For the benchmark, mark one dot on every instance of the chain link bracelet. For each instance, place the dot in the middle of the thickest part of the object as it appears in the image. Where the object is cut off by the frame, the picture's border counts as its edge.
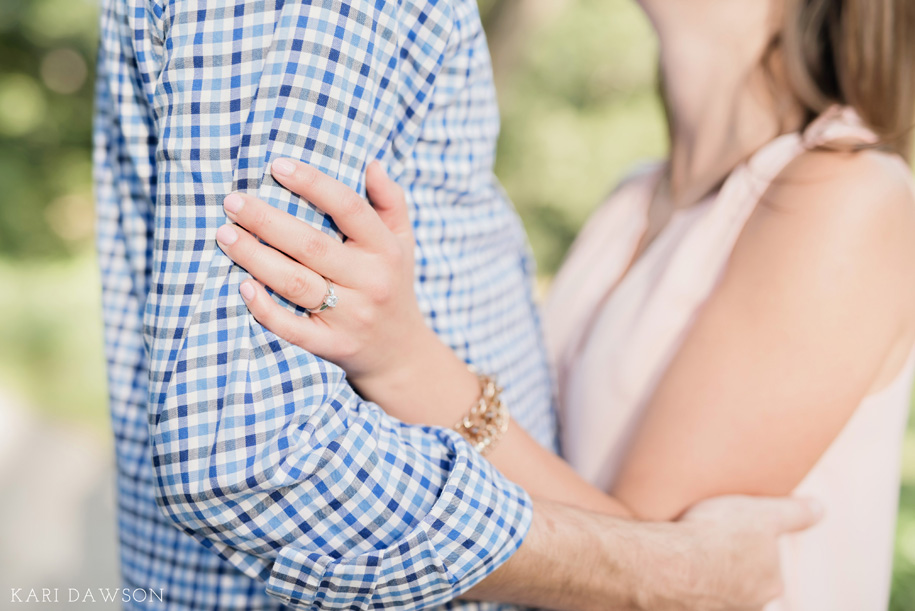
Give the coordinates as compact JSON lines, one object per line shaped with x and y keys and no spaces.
{"x":487,"y":421}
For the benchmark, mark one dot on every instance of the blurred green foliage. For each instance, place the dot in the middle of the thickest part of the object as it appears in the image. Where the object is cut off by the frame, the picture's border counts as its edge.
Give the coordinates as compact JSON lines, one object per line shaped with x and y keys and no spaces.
{"x":46,"y":53}
{"x":51,"y":355}
{"x":577,"y":91}
{"x":578,"y":109}
{"x":904,"y":562}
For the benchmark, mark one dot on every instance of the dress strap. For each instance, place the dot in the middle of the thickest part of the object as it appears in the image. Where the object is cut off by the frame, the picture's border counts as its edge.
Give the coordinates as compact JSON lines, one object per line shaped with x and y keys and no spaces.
{"x":691,"y":278}
{"x":838,"y":124}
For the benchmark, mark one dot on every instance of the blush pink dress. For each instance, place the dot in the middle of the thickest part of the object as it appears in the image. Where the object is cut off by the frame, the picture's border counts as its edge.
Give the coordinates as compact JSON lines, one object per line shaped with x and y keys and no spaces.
{"x":612,"y":333}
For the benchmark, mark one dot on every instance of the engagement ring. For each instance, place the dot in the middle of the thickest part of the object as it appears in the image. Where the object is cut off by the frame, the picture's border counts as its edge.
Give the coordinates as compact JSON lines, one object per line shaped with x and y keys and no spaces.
{"x":330,"y":299}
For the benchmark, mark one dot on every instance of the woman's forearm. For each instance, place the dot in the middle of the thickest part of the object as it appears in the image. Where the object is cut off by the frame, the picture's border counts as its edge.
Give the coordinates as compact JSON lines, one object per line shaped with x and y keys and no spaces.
{"x":438,"y":389}
{"x":546,"y":476}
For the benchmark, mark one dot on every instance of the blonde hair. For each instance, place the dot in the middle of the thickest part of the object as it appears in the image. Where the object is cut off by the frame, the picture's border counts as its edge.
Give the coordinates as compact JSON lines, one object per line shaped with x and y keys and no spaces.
{"x":859,"y":53}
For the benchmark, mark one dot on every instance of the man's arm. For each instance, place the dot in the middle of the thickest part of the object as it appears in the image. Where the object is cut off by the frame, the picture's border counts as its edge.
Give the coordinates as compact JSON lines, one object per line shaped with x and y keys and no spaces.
{"x":261,"y":450}
{"x":722,"y":555}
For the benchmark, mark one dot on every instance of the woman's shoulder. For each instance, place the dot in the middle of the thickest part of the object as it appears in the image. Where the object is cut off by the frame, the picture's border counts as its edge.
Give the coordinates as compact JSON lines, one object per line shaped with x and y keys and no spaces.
{"x":867,"y":188}
{"x":852,"y":213}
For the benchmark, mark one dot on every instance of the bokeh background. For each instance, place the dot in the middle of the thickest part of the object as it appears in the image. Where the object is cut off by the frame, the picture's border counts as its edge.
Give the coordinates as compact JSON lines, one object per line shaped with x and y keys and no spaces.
{"x":576,"y":86}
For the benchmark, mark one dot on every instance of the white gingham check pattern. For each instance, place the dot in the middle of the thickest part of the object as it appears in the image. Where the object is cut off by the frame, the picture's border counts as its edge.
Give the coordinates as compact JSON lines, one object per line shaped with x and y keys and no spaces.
{"x":286,"y":481}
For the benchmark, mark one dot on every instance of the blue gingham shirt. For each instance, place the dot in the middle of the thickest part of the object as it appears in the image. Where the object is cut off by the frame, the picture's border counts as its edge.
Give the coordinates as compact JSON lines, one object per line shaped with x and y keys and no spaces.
{"x":276,"y":484}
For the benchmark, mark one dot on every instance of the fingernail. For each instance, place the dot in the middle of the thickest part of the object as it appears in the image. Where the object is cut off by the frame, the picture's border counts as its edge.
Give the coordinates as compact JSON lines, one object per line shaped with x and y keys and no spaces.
{"x":283,"y":167}
{"x":380,"y":167}
{"x":233,"y":203}
{"x":247,"y":291}
{"x":226,"y":235}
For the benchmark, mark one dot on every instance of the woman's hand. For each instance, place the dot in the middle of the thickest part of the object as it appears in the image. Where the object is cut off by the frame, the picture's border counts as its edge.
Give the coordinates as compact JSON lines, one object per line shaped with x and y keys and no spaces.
{"x":376,"y":329}
{"x":376,"y":332}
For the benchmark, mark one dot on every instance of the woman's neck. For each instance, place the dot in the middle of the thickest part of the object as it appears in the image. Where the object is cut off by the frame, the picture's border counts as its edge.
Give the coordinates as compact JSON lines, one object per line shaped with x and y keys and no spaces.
{"x":720,"y":101}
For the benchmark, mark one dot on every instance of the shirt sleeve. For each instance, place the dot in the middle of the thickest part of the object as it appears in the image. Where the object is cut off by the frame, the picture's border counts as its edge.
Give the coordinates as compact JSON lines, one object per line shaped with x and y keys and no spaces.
{"x":261,"y":450}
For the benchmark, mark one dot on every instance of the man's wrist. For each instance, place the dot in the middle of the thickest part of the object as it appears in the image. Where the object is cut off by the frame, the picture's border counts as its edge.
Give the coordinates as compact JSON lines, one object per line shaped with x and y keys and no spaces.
{"x":578,"y":561}
{"x":573,"y":560}
{"x":661,"y":561}
{"x":650,"y":560}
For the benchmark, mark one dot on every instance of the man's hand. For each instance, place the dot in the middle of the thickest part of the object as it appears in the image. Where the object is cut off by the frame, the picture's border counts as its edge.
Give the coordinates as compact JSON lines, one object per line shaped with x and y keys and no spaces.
{"x":725,"y":554}
{"x":721,"y":556}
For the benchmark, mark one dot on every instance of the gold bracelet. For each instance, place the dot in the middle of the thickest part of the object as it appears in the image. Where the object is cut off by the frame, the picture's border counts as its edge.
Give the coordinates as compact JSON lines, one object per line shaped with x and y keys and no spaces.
{"x":487,"y":421}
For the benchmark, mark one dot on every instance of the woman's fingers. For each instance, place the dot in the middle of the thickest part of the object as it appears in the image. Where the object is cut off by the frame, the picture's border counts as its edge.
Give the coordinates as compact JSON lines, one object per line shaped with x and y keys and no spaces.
{"x":308,"y":333}
{"x":292,"y":280}
{"x":388,"y":199}
{"x":352,"y":213}
{"x":314,"y":248}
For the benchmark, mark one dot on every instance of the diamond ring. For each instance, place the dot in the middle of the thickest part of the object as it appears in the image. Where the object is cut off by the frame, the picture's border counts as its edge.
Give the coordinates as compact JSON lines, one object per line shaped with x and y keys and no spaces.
{"x":330,"y":299}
